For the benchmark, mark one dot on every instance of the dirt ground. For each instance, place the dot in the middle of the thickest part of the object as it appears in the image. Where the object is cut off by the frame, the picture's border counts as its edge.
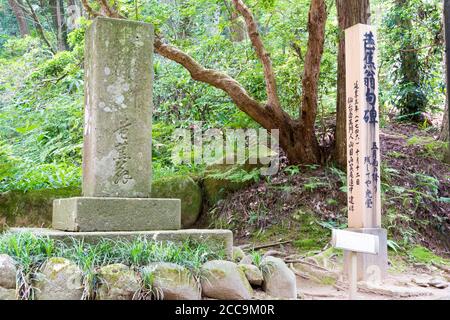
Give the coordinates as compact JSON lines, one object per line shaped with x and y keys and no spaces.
{"x":320,"y":277}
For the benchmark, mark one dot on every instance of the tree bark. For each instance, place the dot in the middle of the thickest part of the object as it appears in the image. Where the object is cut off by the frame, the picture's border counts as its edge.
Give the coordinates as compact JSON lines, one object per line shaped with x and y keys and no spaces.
{"x":20,"y":17}
{"x":62,"y":27}
{"x":444,"y":134}
{"x":350,"y":12}
{"x":307,"y":145}
{"x":445,"y":131}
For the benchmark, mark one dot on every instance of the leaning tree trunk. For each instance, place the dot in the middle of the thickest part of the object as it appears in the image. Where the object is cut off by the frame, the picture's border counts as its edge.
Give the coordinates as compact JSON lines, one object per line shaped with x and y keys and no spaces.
{"x":350,"y":12}
{"x":20,"y":17}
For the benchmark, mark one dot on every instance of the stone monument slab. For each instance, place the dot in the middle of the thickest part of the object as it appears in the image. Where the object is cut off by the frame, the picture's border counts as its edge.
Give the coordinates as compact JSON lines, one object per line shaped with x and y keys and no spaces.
{"x":117,"y":148}
{"x":116,"y":214}
{"x":118,"y":109}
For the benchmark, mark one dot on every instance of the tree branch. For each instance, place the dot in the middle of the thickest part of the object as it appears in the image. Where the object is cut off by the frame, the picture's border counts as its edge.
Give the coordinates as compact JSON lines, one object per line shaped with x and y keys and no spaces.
{"x":110,"y":12}
{"x":263,"y":56}
{"x":39,"y":27}
{"x":270,"y":116}
{"x":219,"y":80}
{"x":89,"y":9}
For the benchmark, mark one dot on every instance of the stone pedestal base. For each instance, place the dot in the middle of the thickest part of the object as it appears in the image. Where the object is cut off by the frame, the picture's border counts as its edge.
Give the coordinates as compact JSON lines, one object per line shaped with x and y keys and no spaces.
{"x":116,"y":214}
{"x":370,"y":267}
{"x":216,"y":239}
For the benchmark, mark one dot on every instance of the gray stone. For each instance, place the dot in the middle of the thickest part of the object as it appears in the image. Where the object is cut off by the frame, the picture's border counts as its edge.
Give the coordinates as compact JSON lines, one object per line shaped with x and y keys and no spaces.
{"x":117,"y":282}
{"x":420,"y":282}
{"x":59,"y":279}
{"x":217,"y":240}
{"x":7,"y":294}
{"x":238,"y":254}
{"x":438,"y":283}
{"x":8,"y":272}
{"x":247,"y":259}
{"x":174,"y":281}
{"x":253,"y":274}
{"x":224,"y":280}
{"x":116,"y":214}
{"x":185,"y":189}
{"x":279,"y":280}
{"x":118,"y":109}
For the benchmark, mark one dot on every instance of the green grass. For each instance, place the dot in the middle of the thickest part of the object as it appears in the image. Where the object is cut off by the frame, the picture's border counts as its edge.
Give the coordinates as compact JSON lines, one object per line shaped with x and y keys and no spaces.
{"x":32,"y":251}
{"x":424,"y":255}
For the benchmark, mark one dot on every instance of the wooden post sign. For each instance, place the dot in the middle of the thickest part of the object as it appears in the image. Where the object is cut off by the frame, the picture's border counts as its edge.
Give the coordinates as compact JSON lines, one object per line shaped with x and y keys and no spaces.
{"x":363,"y":145}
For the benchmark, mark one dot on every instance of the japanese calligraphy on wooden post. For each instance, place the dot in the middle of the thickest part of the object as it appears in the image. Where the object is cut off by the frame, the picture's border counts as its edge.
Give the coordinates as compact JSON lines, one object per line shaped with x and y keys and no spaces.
{"x":363,"y":151}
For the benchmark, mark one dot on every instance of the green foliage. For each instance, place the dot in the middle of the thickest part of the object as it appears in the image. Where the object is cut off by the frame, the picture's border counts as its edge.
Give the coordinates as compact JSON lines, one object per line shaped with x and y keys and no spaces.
{"x":428,"y":146}
{"x":411,"y":56}
{"x":236,"y":174}
{"x":424,"y":255}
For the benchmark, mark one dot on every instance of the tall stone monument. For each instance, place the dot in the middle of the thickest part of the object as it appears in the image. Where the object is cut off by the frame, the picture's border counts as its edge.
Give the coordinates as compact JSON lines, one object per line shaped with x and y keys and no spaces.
{"x":117,"y":151}
{"x":117,"y":136}
{"x":363,"y":147}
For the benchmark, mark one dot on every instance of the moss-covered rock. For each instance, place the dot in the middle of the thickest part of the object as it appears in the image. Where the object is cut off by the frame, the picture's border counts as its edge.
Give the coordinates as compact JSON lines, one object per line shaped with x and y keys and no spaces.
{"x":8,"y":272}
{"x":7,"y":294}
{"x":238,"y":254}
{"x":117,"y":282}
{"x":185,"y":189}
{"x":59,"y":279}
{"x":32,"y":208}
{"x":174,"y":281}
{"x":279,"y":280}
{"x":224,"y":280}
{"x":253,"y":274}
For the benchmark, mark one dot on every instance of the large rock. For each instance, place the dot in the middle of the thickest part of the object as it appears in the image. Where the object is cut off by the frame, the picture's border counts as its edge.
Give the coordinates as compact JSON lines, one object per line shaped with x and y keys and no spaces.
{"x":59,"y":279}
{"x":174,"y":281}
{"x":117,"y":282}
{"x":224,"y":280}
{"x":7,"y":294}
{"x":279,"y":280}
{"x":185,"y":189}
{"x":8,"y":272}
{"x":253,"y":274}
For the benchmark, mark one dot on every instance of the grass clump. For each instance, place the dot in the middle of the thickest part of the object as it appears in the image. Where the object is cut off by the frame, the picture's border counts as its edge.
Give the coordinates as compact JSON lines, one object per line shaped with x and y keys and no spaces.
{"x":424,"y":255}
{"x":31,"y":251}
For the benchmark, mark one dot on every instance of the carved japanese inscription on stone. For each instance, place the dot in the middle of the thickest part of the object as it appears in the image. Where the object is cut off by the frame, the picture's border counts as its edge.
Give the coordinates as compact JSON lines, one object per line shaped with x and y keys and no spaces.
{"x":118,"y":109}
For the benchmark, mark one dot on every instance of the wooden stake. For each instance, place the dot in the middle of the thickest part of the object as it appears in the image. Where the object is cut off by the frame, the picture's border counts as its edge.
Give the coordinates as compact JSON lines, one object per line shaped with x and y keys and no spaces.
{"x":352,"y":276}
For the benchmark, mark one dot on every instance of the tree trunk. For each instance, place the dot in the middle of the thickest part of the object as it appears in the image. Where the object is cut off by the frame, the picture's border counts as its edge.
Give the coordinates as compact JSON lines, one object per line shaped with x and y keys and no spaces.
{"x":57,"y":10}
{"x":444,"y":135}
{"x":20,"y":17}
{"x":306,"y":141}
{"x":62,"y":26}
{"x":350,"y":12}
